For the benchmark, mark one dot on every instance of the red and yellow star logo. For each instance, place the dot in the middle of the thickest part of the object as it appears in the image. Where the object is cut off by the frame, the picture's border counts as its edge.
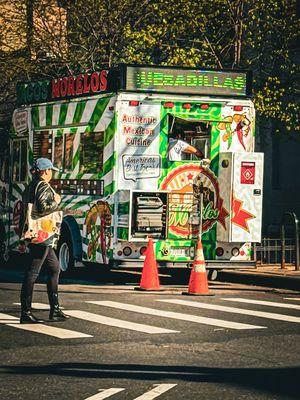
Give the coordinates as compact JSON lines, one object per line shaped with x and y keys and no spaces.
{"x":240,"y":216}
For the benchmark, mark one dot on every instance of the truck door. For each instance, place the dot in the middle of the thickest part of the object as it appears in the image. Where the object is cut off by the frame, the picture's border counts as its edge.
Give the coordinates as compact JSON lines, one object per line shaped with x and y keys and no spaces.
{"x":18,"y":177}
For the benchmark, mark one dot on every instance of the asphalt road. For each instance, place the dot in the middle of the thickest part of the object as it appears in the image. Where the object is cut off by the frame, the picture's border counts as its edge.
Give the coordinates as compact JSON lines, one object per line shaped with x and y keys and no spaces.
{"x":121,"y":344}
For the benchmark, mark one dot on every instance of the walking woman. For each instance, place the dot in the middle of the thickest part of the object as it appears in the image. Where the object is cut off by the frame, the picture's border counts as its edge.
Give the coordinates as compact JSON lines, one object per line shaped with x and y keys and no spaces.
{"x":45,"y":202}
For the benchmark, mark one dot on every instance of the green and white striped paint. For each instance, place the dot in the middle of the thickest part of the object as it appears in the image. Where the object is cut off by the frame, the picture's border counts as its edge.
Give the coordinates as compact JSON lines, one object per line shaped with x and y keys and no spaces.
{"x":78,"y":117}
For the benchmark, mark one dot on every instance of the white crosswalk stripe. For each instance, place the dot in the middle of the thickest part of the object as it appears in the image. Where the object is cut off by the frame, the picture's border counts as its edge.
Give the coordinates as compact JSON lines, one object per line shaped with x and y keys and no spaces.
{"x":234,"y":310}
{"x":59,"y":333}
{"x":292,"y":298}
{"x":157,"y":391}
{"x":6,"y":318}
{"x":101,"y":319}
{"x":263,"y":303}
{"x":104,"y":394}
{"x":176,"y":315}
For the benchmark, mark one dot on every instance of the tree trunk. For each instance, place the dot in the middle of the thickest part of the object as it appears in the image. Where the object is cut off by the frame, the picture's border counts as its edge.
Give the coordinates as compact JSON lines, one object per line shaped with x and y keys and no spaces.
{"x":29,"y":20}
{"x":238,"y":33}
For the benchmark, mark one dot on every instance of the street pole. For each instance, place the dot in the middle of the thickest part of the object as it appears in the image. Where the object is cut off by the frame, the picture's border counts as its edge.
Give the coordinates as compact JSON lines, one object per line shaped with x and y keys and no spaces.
{"x":200,"y":211}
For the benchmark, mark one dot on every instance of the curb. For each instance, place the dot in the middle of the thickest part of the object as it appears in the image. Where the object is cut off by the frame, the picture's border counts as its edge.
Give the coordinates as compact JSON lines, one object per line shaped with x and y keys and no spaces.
{"x":268,"y":280}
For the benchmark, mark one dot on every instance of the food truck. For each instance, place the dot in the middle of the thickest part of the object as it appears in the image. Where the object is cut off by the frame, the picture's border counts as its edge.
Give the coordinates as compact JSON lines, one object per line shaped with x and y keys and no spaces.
{"x":109,"y":133}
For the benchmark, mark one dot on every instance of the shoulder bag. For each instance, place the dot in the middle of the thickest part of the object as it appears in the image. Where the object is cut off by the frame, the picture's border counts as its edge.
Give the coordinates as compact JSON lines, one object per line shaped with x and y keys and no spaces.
{"x":43,"y":230}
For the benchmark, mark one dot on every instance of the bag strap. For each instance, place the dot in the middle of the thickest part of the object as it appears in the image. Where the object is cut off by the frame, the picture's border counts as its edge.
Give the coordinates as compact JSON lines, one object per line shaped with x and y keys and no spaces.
{"x":36,"y":188}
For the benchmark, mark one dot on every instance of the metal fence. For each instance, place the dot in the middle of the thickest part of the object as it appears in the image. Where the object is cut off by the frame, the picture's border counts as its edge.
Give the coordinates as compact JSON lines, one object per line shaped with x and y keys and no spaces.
{"x":269,"y":251}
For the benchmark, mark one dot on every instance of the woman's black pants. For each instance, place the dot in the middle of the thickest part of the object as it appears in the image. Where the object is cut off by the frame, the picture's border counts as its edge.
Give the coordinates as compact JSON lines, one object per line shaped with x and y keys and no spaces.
{"x":39,"y":255}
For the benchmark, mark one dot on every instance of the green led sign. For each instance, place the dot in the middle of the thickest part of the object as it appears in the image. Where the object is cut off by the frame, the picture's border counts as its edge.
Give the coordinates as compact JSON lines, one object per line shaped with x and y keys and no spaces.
{"x":186,"y":81}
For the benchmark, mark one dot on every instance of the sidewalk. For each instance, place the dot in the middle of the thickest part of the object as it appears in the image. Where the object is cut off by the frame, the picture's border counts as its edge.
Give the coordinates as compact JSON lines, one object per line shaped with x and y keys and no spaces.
{"x":265,"y":275}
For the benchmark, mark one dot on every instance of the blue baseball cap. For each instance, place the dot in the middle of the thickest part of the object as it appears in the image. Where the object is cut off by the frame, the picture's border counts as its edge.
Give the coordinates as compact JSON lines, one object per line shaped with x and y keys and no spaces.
{"x":45,"y":163}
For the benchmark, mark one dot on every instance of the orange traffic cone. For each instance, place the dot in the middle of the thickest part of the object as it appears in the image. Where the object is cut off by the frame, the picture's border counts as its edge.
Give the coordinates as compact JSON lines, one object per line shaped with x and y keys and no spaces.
{"x":149,"y":280}
{"x":198,"y":284}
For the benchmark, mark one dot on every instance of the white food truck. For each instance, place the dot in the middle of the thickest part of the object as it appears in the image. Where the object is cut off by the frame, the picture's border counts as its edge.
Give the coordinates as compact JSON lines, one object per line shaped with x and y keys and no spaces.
{"x":109,"y":132}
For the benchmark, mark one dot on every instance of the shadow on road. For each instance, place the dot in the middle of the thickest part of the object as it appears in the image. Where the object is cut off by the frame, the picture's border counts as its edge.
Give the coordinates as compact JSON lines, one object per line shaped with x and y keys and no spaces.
{"x":283,"y":381}
{"x":93,"y":274}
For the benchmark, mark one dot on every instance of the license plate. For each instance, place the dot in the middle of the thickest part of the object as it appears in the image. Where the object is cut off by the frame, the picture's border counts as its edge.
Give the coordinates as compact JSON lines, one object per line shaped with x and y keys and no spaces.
{"x":180,"y":252}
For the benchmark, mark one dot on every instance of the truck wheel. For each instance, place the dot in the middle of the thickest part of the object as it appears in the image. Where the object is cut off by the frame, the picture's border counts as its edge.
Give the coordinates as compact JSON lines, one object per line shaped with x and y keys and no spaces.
{"x":65,"y":253}
{"x":212,"y":274}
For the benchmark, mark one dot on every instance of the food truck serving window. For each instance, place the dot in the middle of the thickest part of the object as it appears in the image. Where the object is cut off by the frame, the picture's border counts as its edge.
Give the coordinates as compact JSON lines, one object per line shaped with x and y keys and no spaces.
{"x":185,"y":136}
{"x":91,"y":152}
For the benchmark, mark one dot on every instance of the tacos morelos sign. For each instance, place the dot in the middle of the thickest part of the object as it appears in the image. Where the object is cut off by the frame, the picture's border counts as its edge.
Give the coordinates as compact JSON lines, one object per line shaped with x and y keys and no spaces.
{"x":139,"y":78}
{"x":63,"y":88}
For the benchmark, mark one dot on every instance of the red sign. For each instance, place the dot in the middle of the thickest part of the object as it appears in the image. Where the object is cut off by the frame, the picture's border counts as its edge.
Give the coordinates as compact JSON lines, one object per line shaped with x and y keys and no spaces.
{"x":81,"y":84}
{"x":248,"y":173}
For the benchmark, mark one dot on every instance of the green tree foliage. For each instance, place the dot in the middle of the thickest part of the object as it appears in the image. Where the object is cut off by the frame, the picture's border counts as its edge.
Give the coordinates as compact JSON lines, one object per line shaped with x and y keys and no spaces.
{"x":273,"y":55}
{"x":48,"y":38}
{"x":252,"y":34}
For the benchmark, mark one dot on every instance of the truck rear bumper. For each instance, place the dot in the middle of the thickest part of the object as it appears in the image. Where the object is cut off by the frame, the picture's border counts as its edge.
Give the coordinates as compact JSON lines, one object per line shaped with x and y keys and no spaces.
{"x":210,"y":264}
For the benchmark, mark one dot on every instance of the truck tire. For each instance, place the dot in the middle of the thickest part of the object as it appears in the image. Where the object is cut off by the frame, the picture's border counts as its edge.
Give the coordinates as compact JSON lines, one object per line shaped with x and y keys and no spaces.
{"x":65,"y":252}
{"x":212,"y":274}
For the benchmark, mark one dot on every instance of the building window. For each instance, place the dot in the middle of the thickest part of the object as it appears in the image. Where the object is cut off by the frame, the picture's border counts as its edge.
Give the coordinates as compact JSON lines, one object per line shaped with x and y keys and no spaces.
{"x":285,"y":161}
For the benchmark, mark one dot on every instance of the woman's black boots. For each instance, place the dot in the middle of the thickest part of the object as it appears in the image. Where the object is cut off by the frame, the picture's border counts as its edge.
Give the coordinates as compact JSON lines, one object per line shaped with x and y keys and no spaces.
{"x":26,"y":315}
{"x":56,"y":313}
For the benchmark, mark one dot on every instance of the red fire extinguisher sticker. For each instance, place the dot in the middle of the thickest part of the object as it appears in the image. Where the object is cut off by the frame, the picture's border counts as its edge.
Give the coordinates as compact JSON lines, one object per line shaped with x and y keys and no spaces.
{"x":248,"y":172}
